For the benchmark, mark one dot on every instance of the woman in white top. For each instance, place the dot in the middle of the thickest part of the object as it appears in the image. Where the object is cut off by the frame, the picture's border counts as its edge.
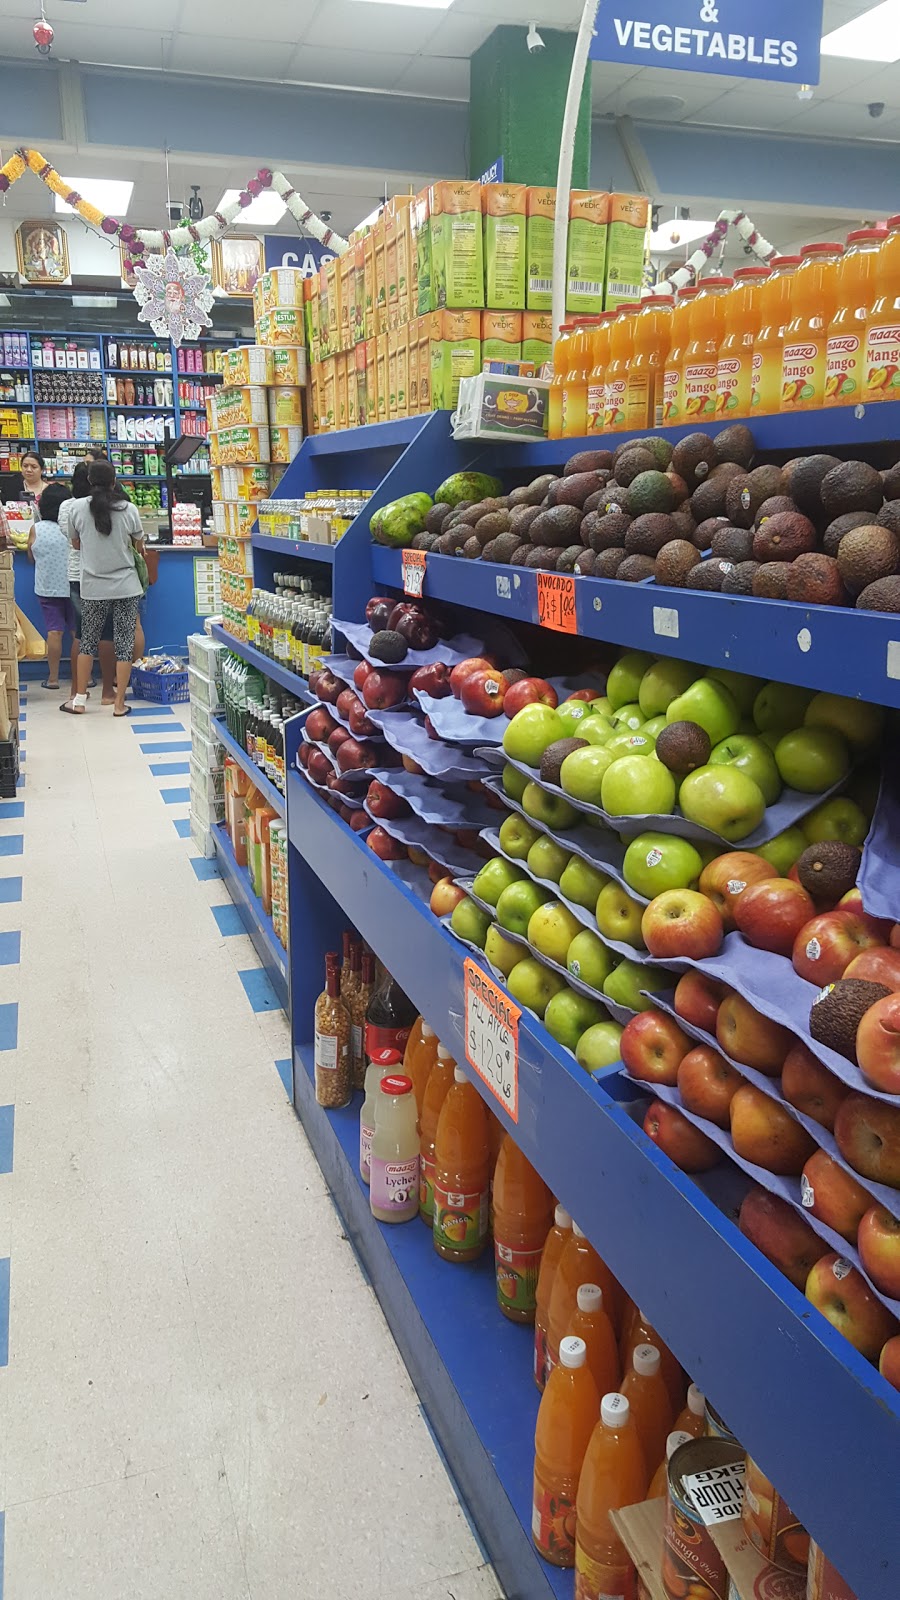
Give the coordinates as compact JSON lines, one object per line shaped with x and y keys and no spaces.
{"x":81,"y":488}
{"x":107,"y":529}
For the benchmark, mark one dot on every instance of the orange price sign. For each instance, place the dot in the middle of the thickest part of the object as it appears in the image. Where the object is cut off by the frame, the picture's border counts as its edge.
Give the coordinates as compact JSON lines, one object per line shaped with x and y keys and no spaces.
{"x":556,"y":601}
{"x":492,"y":1037}
{"x":414,"y":573}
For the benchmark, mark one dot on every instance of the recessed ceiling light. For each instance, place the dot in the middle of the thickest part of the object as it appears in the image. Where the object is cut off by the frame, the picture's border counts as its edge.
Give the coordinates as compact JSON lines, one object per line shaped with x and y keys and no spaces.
{"x":112,"y":196}
{"x":422,"y":5}
{"x":661,"y":239}
{"x":263,"y":212}
{"x":875,"y":36}
{"x":656,"y":107}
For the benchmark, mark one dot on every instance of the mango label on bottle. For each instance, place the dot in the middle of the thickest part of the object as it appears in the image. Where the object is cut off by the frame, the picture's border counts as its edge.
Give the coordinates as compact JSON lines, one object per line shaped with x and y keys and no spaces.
{"x":460,"y":1220}
{"x":803,"y":374}
{"x":517,"y":1275}
{"x":426,"y":1191}
{"x":882,"y":362}
{"x":734,"y":386}
{"x":700,"y":390}
{"x":844,"y":372}
{"x":671,"y":401}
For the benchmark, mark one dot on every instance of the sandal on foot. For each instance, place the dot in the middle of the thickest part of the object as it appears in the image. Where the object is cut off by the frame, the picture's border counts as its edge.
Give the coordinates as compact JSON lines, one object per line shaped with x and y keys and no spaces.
{"x":73,"y":711}
{"x":48,"y":685}
{"x":125,"y":713}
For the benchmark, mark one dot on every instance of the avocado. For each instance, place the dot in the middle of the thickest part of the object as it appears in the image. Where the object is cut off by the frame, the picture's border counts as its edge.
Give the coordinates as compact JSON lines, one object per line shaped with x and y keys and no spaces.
{"x":467,"y":486}
{"x":650,"y":491}
{"x":851,"y":486}
{"x":634,"y":569}
{"x":803,"y":482}
{"x":867,"y":554}
{"x":702,"y":536}
{"x":888,"y":516}
{"x":615,"y":497}
{"x":592,"y":502}
{"x":783,"y":537}
{"x":835,"y":531}
{"x":521,"y":517}
{"x":891,"y":481}
{"x":732,"y":544}
{"x":837,"y":1013}
{"x":425,"y":541}
{"x":388,"y":646}
{"x":694,"y":458}
{"x":646,"y":535}
{"x":684,"y":524}
{"x":488,"y":527}
{"x":708,"y":499}
{"x":502,"y":548}
{"x":588,"y":461}
{"x":745,"y":496}
{"x":709,"y":574}
{"x":435,"y":517}
{"x":772,"y":507}
{"x":674,"y":562}
{"x":604,"y":532}
{"x":883,"y":595}
{"x":740,"y":579}
{"x":659,"y":448}
{"x":607,"y":562}
{"x":829,"y":870}
{"x":574,"y":489}
{"x":567,"y":558}
{"x":679,"y":487}
{"x":472,"y":549}
{"x":542,"y":557}
{"x":554,"y":756}
{"x":481,"y":508}
{"x":632,"y":462}
{"x":770,"y":580}
{"x":447,"y":544}
{"x":736,"y":444}
{"x":682,"y":747}
{"x":531,"y":494}
{"x":584,"y":566}
{"x":557,"y":526}
{"x":815,"y":580}
{"x":519,"y":558}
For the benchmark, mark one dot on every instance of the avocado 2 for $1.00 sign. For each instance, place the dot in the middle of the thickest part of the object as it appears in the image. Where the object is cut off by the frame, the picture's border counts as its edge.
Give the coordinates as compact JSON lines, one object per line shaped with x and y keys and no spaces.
{"x":740,"y":39}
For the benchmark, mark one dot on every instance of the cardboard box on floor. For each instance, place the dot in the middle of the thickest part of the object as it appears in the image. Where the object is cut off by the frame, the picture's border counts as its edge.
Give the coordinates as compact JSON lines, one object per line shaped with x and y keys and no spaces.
{"x":641,"y":1530}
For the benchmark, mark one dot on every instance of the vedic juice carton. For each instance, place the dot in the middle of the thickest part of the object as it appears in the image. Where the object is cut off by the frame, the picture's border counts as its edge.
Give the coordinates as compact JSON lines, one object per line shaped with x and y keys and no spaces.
{"x":629,"y":218}
{"x":341,"y":400}
{"x":324,"y":314}
{"x":413,"y":334}
{"x":403,"y":372}
{"x":427,"y":335}
{"x":400,"y":208}
{"x":501,"y":335}
{"x":455,"y":354}
{"x":328,"y":394}
{"x":503,"y":207}
{"x":457,"y":244}
{"x":381,"y":368}
{"x":371,"y":381}
{"x":359,"y":359}
{"x":390,"y":265}
{"x":420,"y":216}
{"x":412,"y":269}
{"x":380,"y":278}
{"x":537,"y":338}
{"x":370,"y":291}
{"x":392,"y":372}
{"x":540,"y":208}
{"x":586,"y":251}
{"x":347,"y":280}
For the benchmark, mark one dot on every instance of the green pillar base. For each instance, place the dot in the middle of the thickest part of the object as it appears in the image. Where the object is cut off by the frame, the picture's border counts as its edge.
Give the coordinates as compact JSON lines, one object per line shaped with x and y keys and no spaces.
{"x":516,"y":105}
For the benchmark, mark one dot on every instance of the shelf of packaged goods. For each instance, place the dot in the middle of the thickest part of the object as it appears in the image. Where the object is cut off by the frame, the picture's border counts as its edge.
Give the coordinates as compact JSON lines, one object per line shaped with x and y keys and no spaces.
{"x":139,"y":372}
{"x":48,"y":438}
{"x":302,"y":548}
{"x":16,"y":405}
{"x":788,"y":1384}
{"x":820,"y":647}
{"x":69,"y":405}
{"x":163,"y":411}
{"x":273,"y":795}
{"x":264,"y":664}
{"x":374,"y":436}
{"x":184,"y":406}
{"x":250,"y":910}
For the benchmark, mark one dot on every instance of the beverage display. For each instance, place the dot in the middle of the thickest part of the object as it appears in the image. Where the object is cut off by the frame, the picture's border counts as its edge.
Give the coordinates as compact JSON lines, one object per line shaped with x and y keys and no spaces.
{"x":621,"y":347}
{"x":681,"y":332}
{"x":462,"y":1173}
{"x":420,"y":1058}
{"x":291,"y":625}
{"x":845,"y":375}
{"x":562,"y":359}
{"x":578,"y":1264}
{"x":553,"y":1249}
{"x":701,"y":357}
{"x":883,"y":322}
{"x":522,"y":1216}
{"x":332,"y":1040}
{"x":614,"y":1474}
{"x":596,"y":393}
{"x":394,"y":1154}
{"x":814,"y":289}
{"x":568,"y":1413}
{"x":438,"y":1087}
{"x":774,"y":309}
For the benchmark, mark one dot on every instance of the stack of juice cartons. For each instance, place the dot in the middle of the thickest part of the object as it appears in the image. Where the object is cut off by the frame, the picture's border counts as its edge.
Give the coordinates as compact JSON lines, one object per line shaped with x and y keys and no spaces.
{"x":278,"y":866}
{"x":207,"y":752}
{"x":9,"y":681}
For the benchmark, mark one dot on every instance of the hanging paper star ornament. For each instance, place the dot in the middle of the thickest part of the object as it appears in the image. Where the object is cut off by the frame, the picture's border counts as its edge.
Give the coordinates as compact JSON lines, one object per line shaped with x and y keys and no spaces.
{"x":173,"y":296}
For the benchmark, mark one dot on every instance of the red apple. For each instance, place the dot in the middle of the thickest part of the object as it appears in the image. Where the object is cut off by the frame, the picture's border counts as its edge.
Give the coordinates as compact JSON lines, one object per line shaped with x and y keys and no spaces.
{"x":336,"y":739}
{"x":527,"y":692}
{"x":889,"y":1362}
{"x":463,"y":668}
{"x":411,"y":766}
{"x":361,"y":726}
{"x":682,"y":922}
{"x":784,"y":1238}
{"x":304,"y":751}
{"x":725,"y":878}
{"x":433,"y":679}
{"x":382,"y":802}
{"x":360,"y":672}
{"x":319,"y":767}
{"x":320,"y":725}
{"x":684,"y":1144}
{"x":385,"y":847}
{"x":750,"y":1038}
{"x":707,"y":1083}
{"x":347,"y":813}
{"x":345,"y":702}
{"x":879,"y":965}
{"x":764,"y":1132}
{"x":378,"y":611}
{"x":770,"y":914}
{"x":697,"y":999}
{"x":342,"y":786}
{"x":359,"y":822}
{"x":825,"y":947}
{"x":867,"y":1132}
{"x":878,"y":1243}
{"x":418,"y":856}
{"x":652,"y":1044}
{"x":829,"y":1193}
{"x":354,"y":754}
{"x":852,"y":901}
{"x":809,"y":1087}
{"x":382,"y":690}
{"x":328,"y":687}
{"x":878,"y":1044}
{"x":895,"y":936}
{"x":335,"y":802}
{"x":444,"y":896}
{"x":842,"y":1295}
{"x":483,"y":693}
{"x":584,"y":694}
{"x":436,"y":871}
{"x":431,"y":730}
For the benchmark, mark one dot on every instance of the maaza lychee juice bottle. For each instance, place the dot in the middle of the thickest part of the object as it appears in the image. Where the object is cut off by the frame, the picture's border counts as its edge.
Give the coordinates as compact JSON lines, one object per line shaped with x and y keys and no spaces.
{"x":734,"y":381}
{"x":883,"y":326}
{"x":845,"y":368}
{"x":775,"y":314}
{"x":813,"y":302}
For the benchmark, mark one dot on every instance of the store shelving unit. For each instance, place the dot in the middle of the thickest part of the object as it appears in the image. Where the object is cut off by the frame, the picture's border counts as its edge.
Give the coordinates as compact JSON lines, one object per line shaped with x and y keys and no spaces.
{"x":274,"y":796}
{"x":264,"y":664}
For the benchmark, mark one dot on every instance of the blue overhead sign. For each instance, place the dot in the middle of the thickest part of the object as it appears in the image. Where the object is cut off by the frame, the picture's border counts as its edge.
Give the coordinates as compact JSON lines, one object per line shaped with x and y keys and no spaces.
{"x":494,"y":172}
{"x":764,"y":39}
{"x":307,"y":254}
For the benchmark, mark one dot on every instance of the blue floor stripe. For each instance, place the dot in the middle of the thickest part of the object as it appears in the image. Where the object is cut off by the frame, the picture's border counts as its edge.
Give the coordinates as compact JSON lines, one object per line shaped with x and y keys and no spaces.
{"x":10,"y":809}
{"x":11,"y":844}
{"x":169,"y":769}
{"x":227,"y":920}
{"x":143,"y":728}
{"x":4,"y":1312}
{"x":10,"y":890}
{"x":176,"y":797}
{"x":284,"y":1072}
{"x":183,"y":830}
{"x":204,"y":869}
{"x":151,"y":711}
{"x":259,"y":990}
{"x":164,"y":749}
{"x":7,"y":1123}
{"x":10,"y":956}
{"x":9,"y":1026}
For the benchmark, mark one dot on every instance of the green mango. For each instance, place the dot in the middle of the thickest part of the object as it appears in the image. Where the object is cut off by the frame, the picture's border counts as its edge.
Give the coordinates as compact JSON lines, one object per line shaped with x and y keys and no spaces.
{"x":402,"y":520}
{"x":472,"y":486}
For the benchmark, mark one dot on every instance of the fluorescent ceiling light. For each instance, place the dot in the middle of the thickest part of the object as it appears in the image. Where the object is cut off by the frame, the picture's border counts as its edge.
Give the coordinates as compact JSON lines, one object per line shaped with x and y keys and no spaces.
{"x":688,"y":233}
{"x":94,"y":300}
{"x":422,"y":5}
{"x":112,"y":196}
{"x":875,"y":36}
{"x":267,"y":209}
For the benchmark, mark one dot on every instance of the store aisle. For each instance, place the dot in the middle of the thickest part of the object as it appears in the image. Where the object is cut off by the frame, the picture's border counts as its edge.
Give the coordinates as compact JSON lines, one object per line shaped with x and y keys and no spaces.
{"x":202,"y":1399}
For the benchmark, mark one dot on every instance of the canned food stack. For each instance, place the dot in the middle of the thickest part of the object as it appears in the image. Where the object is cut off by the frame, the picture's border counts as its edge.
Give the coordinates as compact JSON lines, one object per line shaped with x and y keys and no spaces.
{"x":207,"y":751}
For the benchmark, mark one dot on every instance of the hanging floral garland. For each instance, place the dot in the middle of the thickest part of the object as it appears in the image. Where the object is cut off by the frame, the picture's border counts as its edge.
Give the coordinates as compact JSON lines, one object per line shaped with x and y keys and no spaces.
{"x":679,"y":277}
{"x":140,"y":242}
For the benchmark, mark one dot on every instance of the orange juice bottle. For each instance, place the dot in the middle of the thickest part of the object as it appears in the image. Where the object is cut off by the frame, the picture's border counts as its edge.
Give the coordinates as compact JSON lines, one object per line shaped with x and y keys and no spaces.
{"x":561,"y":357}
{"x":553,"y":1249}
{"x":659,"y":1483}
{"x":643,"y":1332}
{"x":522,"y":1219}
{"x":419,"y":1058}
{"x":845,"y":365}
{"x":575,"y":387}
{"x":652,"y":336}
{"x":701,"y":359}
{"x":734,"y":384}
{"x":644,"y":1387}
{"x":775,"y":314}
{"x":614,"y":1475}
{"x":566,"y":1418}
{"x":462,"y":1173}
{"x":579,"y":1263}
{"x":883,"y":323}
{"x":692,"y":1419}
{"x":673,"y":369}
{"x":813,"y":304}
{"x":621,"y":347}
{"x":591,"y":1323}
{"x":439,"y":1085}
{"x":596,"y":395}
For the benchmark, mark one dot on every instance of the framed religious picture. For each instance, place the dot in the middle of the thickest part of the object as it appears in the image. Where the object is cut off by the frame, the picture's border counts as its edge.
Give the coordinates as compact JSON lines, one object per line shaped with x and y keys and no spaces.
{"x":237,"y":263}
{"x":42,"y":252}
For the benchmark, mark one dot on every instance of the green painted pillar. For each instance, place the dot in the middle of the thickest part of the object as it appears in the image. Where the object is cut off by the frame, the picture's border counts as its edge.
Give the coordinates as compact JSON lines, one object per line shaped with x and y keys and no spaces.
{"x":516,"y":104}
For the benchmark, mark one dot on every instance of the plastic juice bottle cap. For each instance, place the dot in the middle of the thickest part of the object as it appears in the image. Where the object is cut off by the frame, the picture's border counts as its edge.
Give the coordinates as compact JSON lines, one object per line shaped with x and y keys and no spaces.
{"x":646,"y":1360}
{"x":444,"y":1053}
{"x":696,"y":1400}
{"x":675,"y":1439}
{"x":561,"y":1217}
{"x":715,"y":281}
{"x":578,"y":1232}
{"x":427,"y":1031}
{"x":614,"y":1410}
{"x":459,"y":1076}
{"x":655,"y":300}
{"x":590,"y":1297}
{"x":396,"y":1085}
{"x":820,"y":249}
{"x":572,"y":1352}
{"x":865,"y":233}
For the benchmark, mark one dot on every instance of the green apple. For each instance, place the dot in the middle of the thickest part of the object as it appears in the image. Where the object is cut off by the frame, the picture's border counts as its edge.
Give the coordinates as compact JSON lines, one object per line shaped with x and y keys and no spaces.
{"x":581,"y":882}
{"x":599,"y":1047}
{"x":782,"y":851}
{"x":743,"y":687}
{"x":494,"y":877}
{"x":547,"y":860}
{"x":501,"y":952}
{"x":626,"y":981}
{"x":513,"y":782}
{"x":601,"y":707}
{"x":619,"y":917}
{"x":517,"y":905}
{"x":631,"y":744}
{"x":657,"y":861}
{"x":624,"y":681}
{"x":860,"y":724}
{"x":753,"y":756}
{"x":581,"y":774}
{"x":771,"y":736}
{"x":551,"y":930}
{"x":550,"y":809}
{"x":708,"y":703}
{"x":470,"y":922}
{"x":573,"y":713}
{"x":589,"y":959}
{"x":596,"y":730}
{"x":654,"y":727}
{"x":664,"y":682}
{"x":517,"y":836}
{"x":840,"y":818}
{"x":780,"y":705}
{"x":812,"y":759}
{"x":629,"y":718}
{"x":635,"y":787}
{"x":533,"y":984}
{"x":569,"y":1015}
{"x":724,"y":800}
{"x":530,"y":732}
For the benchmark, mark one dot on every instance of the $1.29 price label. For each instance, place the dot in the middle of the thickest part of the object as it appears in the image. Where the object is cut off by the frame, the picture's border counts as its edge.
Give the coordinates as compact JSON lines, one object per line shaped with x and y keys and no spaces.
{"x":492,"y":1037}
{"x":556,"y":601}
{"x":413,"y":573}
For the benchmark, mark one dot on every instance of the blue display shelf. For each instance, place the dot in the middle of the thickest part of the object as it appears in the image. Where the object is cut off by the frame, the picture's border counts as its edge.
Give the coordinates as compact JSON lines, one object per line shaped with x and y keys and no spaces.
{"x":257,"y":923}
{"x":273,"y":795}
{"x":263,"y":663}
{"x":303,"y":549}
{"x":374,"y":436}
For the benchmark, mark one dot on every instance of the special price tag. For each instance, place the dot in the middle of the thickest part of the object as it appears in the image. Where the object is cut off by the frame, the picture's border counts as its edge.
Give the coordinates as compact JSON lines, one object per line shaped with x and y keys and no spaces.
{"x":556,"y":601}
{"x":492,"y":1037}
{"x":413,"y":573}
{"x":717,"y":1494}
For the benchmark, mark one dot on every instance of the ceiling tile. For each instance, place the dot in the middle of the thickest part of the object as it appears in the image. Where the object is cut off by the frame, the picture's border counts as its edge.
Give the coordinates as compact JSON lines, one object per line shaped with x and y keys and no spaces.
{"x":546,"y":13}
{"x":121,"y":46}
{"x":439,"y":77}
{"x":247,"y":58}
{"x":836,"y":120}
{"x":385,"y":29}
{"x":360,"y":69}
{"x":262,"y":19}
{"x":459,"y":35}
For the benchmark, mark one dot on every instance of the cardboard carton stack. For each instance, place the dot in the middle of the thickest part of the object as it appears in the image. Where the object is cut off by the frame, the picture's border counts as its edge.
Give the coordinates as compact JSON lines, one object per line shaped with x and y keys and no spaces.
{"x":207,"y":752}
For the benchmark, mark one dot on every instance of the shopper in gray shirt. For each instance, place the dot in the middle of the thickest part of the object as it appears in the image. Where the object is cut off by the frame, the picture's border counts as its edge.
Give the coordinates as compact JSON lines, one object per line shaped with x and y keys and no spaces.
{"x":108,"y":530}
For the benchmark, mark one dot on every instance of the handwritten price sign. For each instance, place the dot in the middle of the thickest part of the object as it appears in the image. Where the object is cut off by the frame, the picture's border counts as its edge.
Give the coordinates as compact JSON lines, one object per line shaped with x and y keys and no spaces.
{"x":492,"y":1037}
{"x":556,"y":601}
{"x":414,"y":573}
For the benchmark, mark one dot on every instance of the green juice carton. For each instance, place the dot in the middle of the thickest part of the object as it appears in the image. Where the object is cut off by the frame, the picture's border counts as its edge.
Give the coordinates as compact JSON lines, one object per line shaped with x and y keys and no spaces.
{"x":537,"y":338}
{"x":629,"y":219}
{"x":503,"y":208}
{"x":420,"y":224}
{"x":457,"y":245}
{"x":501,"y":335}
{"x":586,"y":251}
{"x":540,"y":211}
{"x":455,"y":354}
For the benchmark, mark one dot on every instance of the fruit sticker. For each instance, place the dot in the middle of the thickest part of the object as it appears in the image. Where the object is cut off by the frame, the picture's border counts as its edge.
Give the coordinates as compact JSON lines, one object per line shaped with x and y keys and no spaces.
{"x":461,"y":1220}
{"x":553,"y":1526}
{"x":517,"y":1275}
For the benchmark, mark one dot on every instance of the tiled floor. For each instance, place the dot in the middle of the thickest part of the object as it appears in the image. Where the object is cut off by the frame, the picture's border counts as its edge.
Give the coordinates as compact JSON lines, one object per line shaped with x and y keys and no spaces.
{"x":202,"y":1400}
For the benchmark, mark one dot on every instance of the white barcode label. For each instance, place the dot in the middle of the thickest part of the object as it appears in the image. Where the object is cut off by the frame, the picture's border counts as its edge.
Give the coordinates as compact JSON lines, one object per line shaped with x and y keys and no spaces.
{"x":585,"y":286}
{"x":542,"y":285}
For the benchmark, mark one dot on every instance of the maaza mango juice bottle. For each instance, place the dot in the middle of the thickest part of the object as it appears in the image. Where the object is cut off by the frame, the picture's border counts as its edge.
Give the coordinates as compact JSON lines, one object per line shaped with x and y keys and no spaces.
{"x":673,"y":365}
{"x":775,"y":314}
{"x":845,"y":368}
{"x":883,"y":326}
{"x":734,"y":380}
{"x":813,"y":302}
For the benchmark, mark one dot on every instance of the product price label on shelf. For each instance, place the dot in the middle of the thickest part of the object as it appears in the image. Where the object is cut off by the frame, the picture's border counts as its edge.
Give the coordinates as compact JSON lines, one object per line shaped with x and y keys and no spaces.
{"x":717,"y":1495}
{"x":413,"y":573}
{"x":556,"y":601}
{"x":492,"y":1037}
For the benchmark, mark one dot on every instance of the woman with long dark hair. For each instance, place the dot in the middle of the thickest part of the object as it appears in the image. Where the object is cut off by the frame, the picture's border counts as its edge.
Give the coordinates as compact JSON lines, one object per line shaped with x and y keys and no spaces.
{"x":49,"y":550}
{"x":107,"y":529}
{"x":33,"y":481}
